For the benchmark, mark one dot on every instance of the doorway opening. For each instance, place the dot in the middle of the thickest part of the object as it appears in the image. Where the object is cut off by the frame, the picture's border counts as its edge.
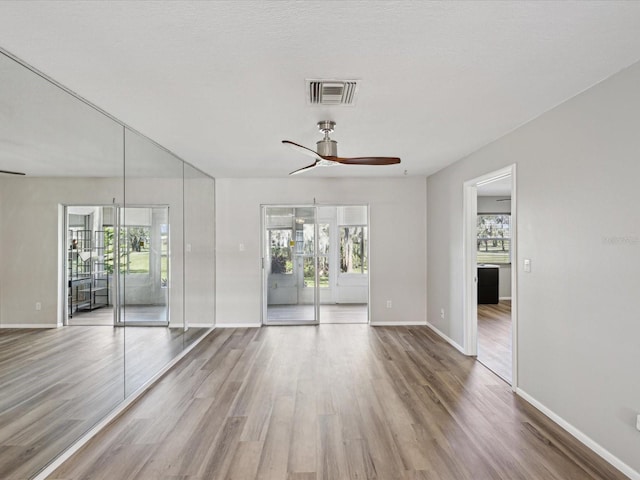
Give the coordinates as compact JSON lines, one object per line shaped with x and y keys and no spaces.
{"x":315,"y":264}
{"x":117,"y":265}
{"x":490,"y":281}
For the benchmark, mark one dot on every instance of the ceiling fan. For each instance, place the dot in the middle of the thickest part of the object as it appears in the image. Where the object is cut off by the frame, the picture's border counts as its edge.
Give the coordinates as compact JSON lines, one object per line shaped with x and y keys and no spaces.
{"x":8,"y":172}
{"x":327,"y":154}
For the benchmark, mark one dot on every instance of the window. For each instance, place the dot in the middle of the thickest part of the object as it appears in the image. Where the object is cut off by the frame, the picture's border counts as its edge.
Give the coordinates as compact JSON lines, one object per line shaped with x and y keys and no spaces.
{"x":280,"y":245}
{"x":323,"y":259}
{"x":353,"y":249}
{"x":494,"y":238}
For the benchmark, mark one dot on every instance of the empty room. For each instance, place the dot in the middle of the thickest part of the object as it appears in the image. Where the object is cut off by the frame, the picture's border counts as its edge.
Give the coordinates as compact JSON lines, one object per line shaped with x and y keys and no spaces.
{"x":305,"y":240}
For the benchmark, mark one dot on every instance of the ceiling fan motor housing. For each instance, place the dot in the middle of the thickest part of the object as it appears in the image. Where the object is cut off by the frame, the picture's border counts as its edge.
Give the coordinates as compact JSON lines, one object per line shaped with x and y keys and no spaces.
{"x":327,"y":148}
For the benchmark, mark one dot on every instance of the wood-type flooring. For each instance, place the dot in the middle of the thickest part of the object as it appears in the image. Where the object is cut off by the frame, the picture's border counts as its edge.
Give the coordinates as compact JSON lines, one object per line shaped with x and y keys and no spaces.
{"x":55,"y":384}
{"x":332,"y":402}
{"x":494,"y":338}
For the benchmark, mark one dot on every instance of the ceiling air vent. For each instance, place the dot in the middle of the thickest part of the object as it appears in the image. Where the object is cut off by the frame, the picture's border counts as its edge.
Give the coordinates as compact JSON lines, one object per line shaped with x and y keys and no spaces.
{"x":332,"y":92}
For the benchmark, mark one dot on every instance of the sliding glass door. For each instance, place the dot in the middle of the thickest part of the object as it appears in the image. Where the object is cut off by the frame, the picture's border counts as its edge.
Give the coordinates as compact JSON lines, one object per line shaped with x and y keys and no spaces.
{"x":117,"y":265}
{"x":290,"y":266}
{"x":315,"y":264}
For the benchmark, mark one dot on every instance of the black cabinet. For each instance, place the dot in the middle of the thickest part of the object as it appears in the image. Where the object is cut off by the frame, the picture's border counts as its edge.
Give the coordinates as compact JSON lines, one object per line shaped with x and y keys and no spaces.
{"x":488,"y":284}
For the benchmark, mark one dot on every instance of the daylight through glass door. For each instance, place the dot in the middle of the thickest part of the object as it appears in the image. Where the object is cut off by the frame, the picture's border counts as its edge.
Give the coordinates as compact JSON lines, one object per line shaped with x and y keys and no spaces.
{"x":315,"y":264}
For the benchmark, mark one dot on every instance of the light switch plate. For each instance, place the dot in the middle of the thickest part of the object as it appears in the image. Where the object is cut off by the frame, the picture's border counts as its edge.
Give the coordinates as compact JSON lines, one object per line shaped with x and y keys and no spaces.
{"x":527,"y":265}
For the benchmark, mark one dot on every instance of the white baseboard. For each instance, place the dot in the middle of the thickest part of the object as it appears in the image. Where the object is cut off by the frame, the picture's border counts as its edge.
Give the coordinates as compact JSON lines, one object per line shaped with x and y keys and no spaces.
{"x":201,"y":325}
{"x":582,"y":437}
{"x":504,"y":298}
{"x":114,"y":413}
{"x":238,"y":325}
{"x":29,"y":325}
{"x":447,"y":339}
{"x":396,"y":324}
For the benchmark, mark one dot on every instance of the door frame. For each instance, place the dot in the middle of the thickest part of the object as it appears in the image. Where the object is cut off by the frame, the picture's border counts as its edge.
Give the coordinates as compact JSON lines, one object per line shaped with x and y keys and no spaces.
{"x":470,"y":292}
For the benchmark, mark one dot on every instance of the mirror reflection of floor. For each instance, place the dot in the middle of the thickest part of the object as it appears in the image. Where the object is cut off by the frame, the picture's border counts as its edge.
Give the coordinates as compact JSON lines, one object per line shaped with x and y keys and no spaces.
{"x":57,"y":383}
{"x":330,"y":313}
{"x":494,"y":338}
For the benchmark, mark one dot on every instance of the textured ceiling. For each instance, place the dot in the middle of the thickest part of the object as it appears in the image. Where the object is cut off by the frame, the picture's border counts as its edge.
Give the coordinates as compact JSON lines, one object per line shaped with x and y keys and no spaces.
{"x":222,"y":83}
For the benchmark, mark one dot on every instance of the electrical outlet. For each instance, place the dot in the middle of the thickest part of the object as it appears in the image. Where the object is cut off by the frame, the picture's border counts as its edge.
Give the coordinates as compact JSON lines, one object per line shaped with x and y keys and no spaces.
{"x":442,"y":313}
{"x":527,"y":265}
{"x":389,"y":304}
{"x":241,"y":247}
{"x":38,"y":306}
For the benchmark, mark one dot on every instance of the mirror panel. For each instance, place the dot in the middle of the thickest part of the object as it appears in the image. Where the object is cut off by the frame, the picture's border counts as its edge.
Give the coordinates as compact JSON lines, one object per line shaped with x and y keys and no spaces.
{"x":152,"y":268}
{"x":97,"y":292}
{"x":199,"y":234}
{"x":56,"y":380}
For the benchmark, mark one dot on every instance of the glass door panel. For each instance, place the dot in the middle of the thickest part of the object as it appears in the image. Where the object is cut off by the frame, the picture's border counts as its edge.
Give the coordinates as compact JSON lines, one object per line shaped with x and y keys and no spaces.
{"x":289,"y":262}
{"x":343,"y":245}
{"x":144,"y":265}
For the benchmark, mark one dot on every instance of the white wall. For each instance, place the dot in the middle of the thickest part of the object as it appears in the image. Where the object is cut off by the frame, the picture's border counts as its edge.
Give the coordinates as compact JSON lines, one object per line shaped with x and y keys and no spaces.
{"x":397,"y":241}
{"x":578,"y":168}
{"x":490,"y":204}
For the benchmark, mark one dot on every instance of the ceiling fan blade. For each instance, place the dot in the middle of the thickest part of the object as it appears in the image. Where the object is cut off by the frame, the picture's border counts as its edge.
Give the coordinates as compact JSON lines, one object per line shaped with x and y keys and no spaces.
{"x":11,"y":173}
{"x":308,"y":167}
{"x":365,"y":160}
{"x":301,"y":149}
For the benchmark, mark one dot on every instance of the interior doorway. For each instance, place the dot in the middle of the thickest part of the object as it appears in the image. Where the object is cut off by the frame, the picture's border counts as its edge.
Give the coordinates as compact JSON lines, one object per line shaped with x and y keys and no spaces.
{"x":315,"y":264}
{"x":490,"y":282}
{"x":117,"y":263}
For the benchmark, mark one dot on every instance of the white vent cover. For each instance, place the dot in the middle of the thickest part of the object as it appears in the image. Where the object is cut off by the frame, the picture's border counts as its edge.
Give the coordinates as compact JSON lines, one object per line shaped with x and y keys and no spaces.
{"x":332,"y":92}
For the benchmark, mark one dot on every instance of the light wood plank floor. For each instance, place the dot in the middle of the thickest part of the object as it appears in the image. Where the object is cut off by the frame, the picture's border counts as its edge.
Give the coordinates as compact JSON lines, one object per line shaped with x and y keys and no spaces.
{"x":55,"y":384}
{"x":331,"y":402}
{"x":494,"y":338}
